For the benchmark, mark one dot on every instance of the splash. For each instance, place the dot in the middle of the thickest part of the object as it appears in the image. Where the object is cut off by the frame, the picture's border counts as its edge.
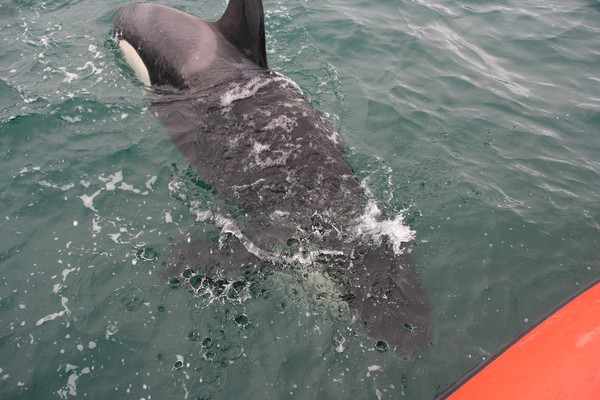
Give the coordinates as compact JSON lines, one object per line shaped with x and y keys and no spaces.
{"x":372,"y":226}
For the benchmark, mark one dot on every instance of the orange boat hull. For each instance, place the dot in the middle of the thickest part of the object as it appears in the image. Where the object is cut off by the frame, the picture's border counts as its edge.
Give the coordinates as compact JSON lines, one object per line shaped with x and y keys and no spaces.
{"x":557,"y":359}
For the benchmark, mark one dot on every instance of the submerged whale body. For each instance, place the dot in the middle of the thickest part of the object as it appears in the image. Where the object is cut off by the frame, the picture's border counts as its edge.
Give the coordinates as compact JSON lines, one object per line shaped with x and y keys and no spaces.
{"x":249,"y":133}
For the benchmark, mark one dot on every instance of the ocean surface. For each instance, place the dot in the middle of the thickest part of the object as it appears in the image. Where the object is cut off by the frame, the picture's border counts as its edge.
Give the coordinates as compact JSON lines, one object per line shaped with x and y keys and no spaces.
{"x":477,"y":121}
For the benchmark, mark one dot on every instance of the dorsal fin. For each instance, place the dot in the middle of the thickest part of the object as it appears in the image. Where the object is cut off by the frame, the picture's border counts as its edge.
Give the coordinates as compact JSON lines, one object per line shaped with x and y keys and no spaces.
{"x":244,"y":26}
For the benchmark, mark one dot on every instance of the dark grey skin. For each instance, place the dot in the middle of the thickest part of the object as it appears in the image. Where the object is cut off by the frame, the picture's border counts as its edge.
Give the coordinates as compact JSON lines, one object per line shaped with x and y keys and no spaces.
{"x":250,"y":134}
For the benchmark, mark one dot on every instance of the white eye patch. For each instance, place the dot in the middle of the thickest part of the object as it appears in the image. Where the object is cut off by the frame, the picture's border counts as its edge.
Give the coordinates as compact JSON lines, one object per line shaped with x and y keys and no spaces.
{"x":135,"y":62}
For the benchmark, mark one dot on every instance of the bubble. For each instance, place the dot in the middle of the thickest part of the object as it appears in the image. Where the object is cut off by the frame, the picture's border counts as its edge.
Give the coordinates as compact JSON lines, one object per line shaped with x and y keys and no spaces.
{"x":193,"y":336}
{"x":381,"y":345}
{"x":179,"y":363}
{"x":241,"y":320}
{"x":196,"y":281}
{"x":221,"y":284}
{"x":237,"y":287}
{"x":146,"y":254}
{"x":340,"y":344}
{"x":322,"y":295}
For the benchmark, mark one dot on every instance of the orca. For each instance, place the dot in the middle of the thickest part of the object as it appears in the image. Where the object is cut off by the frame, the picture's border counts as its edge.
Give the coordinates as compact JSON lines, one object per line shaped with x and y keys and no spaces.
{"x":249,"y":133}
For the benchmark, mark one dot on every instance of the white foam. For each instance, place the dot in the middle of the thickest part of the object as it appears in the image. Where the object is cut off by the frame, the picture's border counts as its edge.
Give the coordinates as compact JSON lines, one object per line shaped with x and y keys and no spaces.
{"x":96,"y":228}
{"x":248,"y":186}
{"x":112,"y":180}
{"x":151,"y":182}
{"x":258,"y":148}
{"x":94,"y":49}
{"x":237,"y":92}
{"x":124,"y":236}
{"x":88,"y":201}
{"x":110,"y":184}
{"x":70,"y":388}
{"x":64,"y":188}
{"x":92,"y":68}
{"x":279,"y":215}
{"x":111,"y":330}
{"x":284,"y":122}
{"x":370,"y":226}
{"x":66,"y":272}
{"x":310,"y":257}
{"x":228,"y":226}
{"x":263,"y":157}
{"x":288,"y":81}
{"x":69,"y":76}
{"x":71,"y":119}
{"x":129,"y":188}
{"x":340,"y":344}
{"x":53,"y":316}
{"x":373,"y":368}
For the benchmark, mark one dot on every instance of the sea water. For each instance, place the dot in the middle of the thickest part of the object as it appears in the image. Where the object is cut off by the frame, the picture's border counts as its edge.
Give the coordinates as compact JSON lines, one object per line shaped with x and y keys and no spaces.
{"x":475,"y":125}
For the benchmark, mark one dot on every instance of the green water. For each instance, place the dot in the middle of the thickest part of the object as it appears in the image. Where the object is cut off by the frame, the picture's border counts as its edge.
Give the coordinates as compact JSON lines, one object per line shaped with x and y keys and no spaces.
{"x":481,"y":120}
